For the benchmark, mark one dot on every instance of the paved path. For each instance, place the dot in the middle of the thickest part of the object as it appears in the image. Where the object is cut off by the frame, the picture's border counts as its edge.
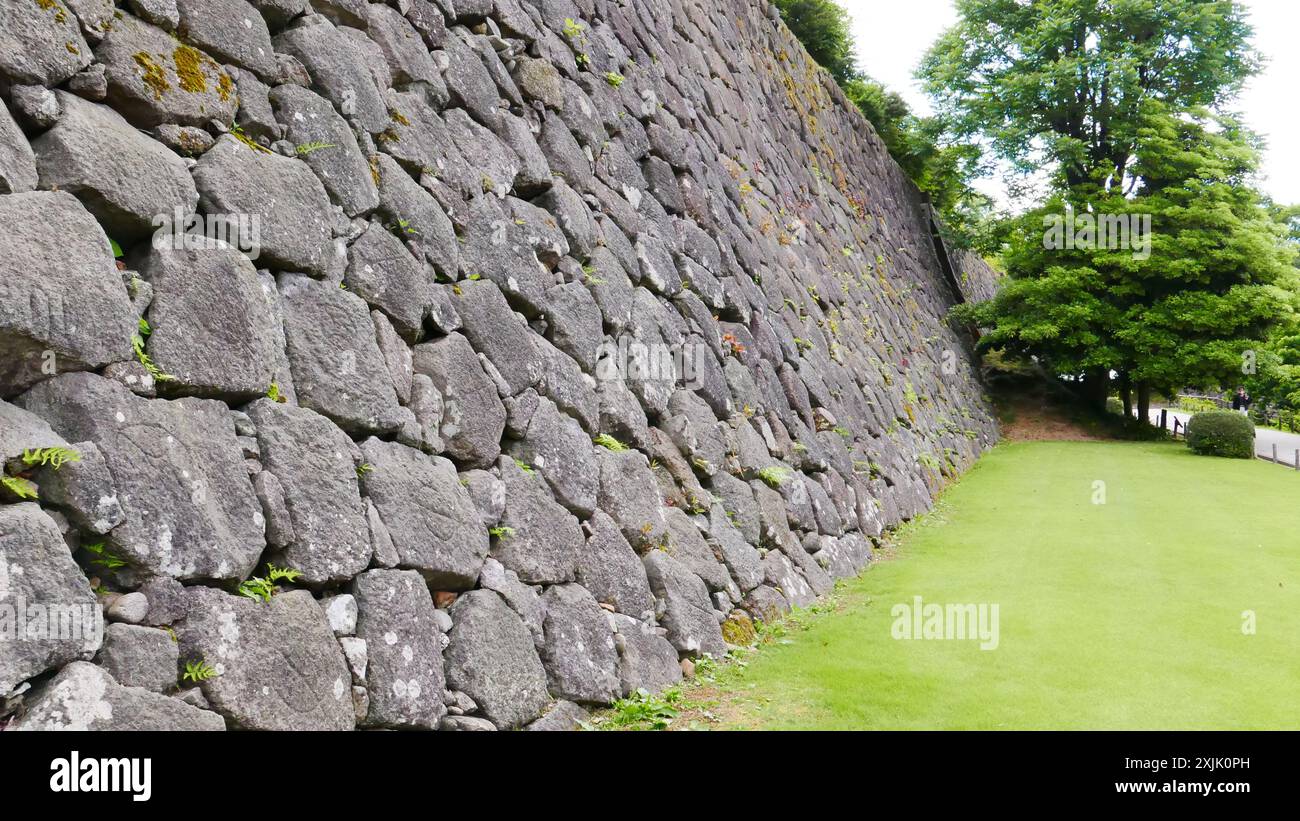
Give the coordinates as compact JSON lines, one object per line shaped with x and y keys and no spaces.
{"x":1265,"y":438}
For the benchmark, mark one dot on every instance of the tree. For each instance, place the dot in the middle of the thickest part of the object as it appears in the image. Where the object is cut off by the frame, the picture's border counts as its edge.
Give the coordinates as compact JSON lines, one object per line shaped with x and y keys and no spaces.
{"x":1274,"y":379}
{"x":1287,"y":216}
{"x":885,"y":109}
{"x":1052,"y":305}
{"x":1116,"y":100}
{"x":1192,"y":308}
{"x":1064,"y":84}
{"x":823,"y":26}
{"x":1219,"y":276}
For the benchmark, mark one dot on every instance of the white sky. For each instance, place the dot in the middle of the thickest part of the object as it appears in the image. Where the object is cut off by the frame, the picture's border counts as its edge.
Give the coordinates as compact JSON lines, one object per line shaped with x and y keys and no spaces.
{"x":892,"y":36}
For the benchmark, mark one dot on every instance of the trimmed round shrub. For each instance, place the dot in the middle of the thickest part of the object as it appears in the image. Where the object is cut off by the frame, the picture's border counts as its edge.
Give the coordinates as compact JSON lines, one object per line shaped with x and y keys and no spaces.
{"x":1222,"y":433}
{"x":1114,"y":405}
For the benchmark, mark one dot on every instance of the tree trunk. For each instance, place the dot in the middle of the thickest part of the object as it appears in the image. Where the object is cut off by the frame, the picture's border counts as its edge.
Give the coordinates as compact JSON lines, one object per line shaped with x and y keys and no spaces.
{"x":1096,"y":387}
{"x":1144,"y":401}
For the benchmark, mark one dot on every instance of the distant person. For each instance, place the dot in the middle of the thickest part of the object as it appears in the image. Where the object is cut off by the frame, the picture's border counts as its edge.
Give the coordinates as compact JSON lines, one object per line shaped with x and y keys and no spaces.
{"x":1241,"y":402}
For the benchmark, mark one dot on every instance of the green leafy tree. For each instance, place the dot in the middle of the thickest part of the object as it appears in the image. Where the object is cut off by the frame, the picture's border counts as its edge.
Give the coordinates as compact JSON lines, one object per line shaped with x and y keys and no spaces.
{"x":1052,"y":302}
{"x":1287,"y":216}
{"x":1274,"y":381}
{"x":1065,"y":84}
{"x":1191,"y":309}
{"x":1220,"y":275}
{"x":824,"y":28}
{"x":1118,"y":102}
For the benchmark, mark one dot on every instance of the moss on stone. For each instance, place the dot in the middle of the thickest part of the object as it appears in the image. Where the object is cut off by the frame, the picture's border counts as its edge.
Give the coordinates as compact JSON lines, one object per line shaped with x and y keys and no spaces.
{"x":152,"y":74}
{"x":60,"y":13}
{"x":738,"y":629}
{"x":225,"y":87}
{"x":191,"y":144}
{"x":189,"y":69}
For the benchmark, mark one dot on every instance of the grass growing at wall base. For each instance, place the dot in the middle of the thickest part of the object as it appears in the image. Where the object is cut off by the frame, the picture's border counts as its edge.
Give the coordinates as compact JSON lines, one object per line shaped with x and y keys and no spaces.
{"x":1122,"y":615}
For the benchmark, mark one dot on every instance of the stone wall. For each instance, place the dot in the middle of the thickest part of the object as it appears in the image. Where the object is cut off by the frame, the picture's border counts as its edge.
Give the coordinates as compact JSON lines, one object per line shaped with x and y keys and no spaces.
{"x":550,"y":342}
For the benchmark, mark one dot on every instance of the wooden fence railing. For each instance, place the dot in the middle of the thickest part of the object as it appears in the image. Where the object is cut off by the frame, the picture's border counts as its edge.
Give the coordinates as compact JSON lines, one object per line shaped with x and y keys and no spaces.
{"x":1290,"y":461}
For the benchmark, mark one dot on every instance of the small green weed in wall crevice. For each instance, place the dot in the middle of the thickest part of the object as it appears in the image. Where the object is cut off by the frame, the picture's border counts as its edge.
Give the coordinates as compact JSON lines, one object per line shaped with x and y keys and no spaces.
{"x":774,"y":475}
{"x":24,"y":489}
{"x":137,"y":344}
{"x":198,"y":671}
{"x":102,"y":557}
{"x":264,"y":587}
{"x":312,"y":147}
{"x":55,"y":457}
{"x":644,"y":710}
{"x":237,"y":131}
{"x":909,"y":394}
{"x":403,"y":226}
{"x":503,"y":533}
{"x":610,"y":443}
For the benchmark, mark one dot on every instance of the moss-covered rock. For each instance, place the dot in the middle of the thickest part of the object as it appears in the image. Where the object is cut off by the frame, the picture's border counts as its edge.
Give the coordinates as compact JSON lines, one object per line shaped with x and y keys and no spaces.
{"x":739,"y":629}
{"x":154,"y":80}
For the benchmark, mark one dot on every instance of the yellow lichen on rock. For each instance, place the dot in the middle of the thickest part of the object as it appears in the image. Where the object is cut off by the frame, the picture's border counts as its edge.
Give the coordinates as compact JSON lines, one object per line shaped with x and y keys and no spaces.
{"x":152,"y":74}
{"x":60,"y":13}
{"x":225,"y":87}
{"x":189,"y":69}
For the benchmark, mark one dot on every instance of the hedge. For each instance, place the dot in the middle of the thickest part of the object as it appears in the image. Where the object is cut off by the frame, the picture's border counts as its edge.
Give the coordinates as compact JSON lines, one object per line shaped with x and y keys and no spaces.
{"x":1222,"y":433}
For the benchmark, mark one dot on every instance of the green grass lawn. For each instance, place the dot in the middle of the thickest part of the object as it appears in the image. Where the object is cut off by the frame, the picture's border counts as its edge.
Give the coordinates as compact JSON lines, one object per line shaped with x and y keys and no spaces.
{"x":1123,"y":615}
